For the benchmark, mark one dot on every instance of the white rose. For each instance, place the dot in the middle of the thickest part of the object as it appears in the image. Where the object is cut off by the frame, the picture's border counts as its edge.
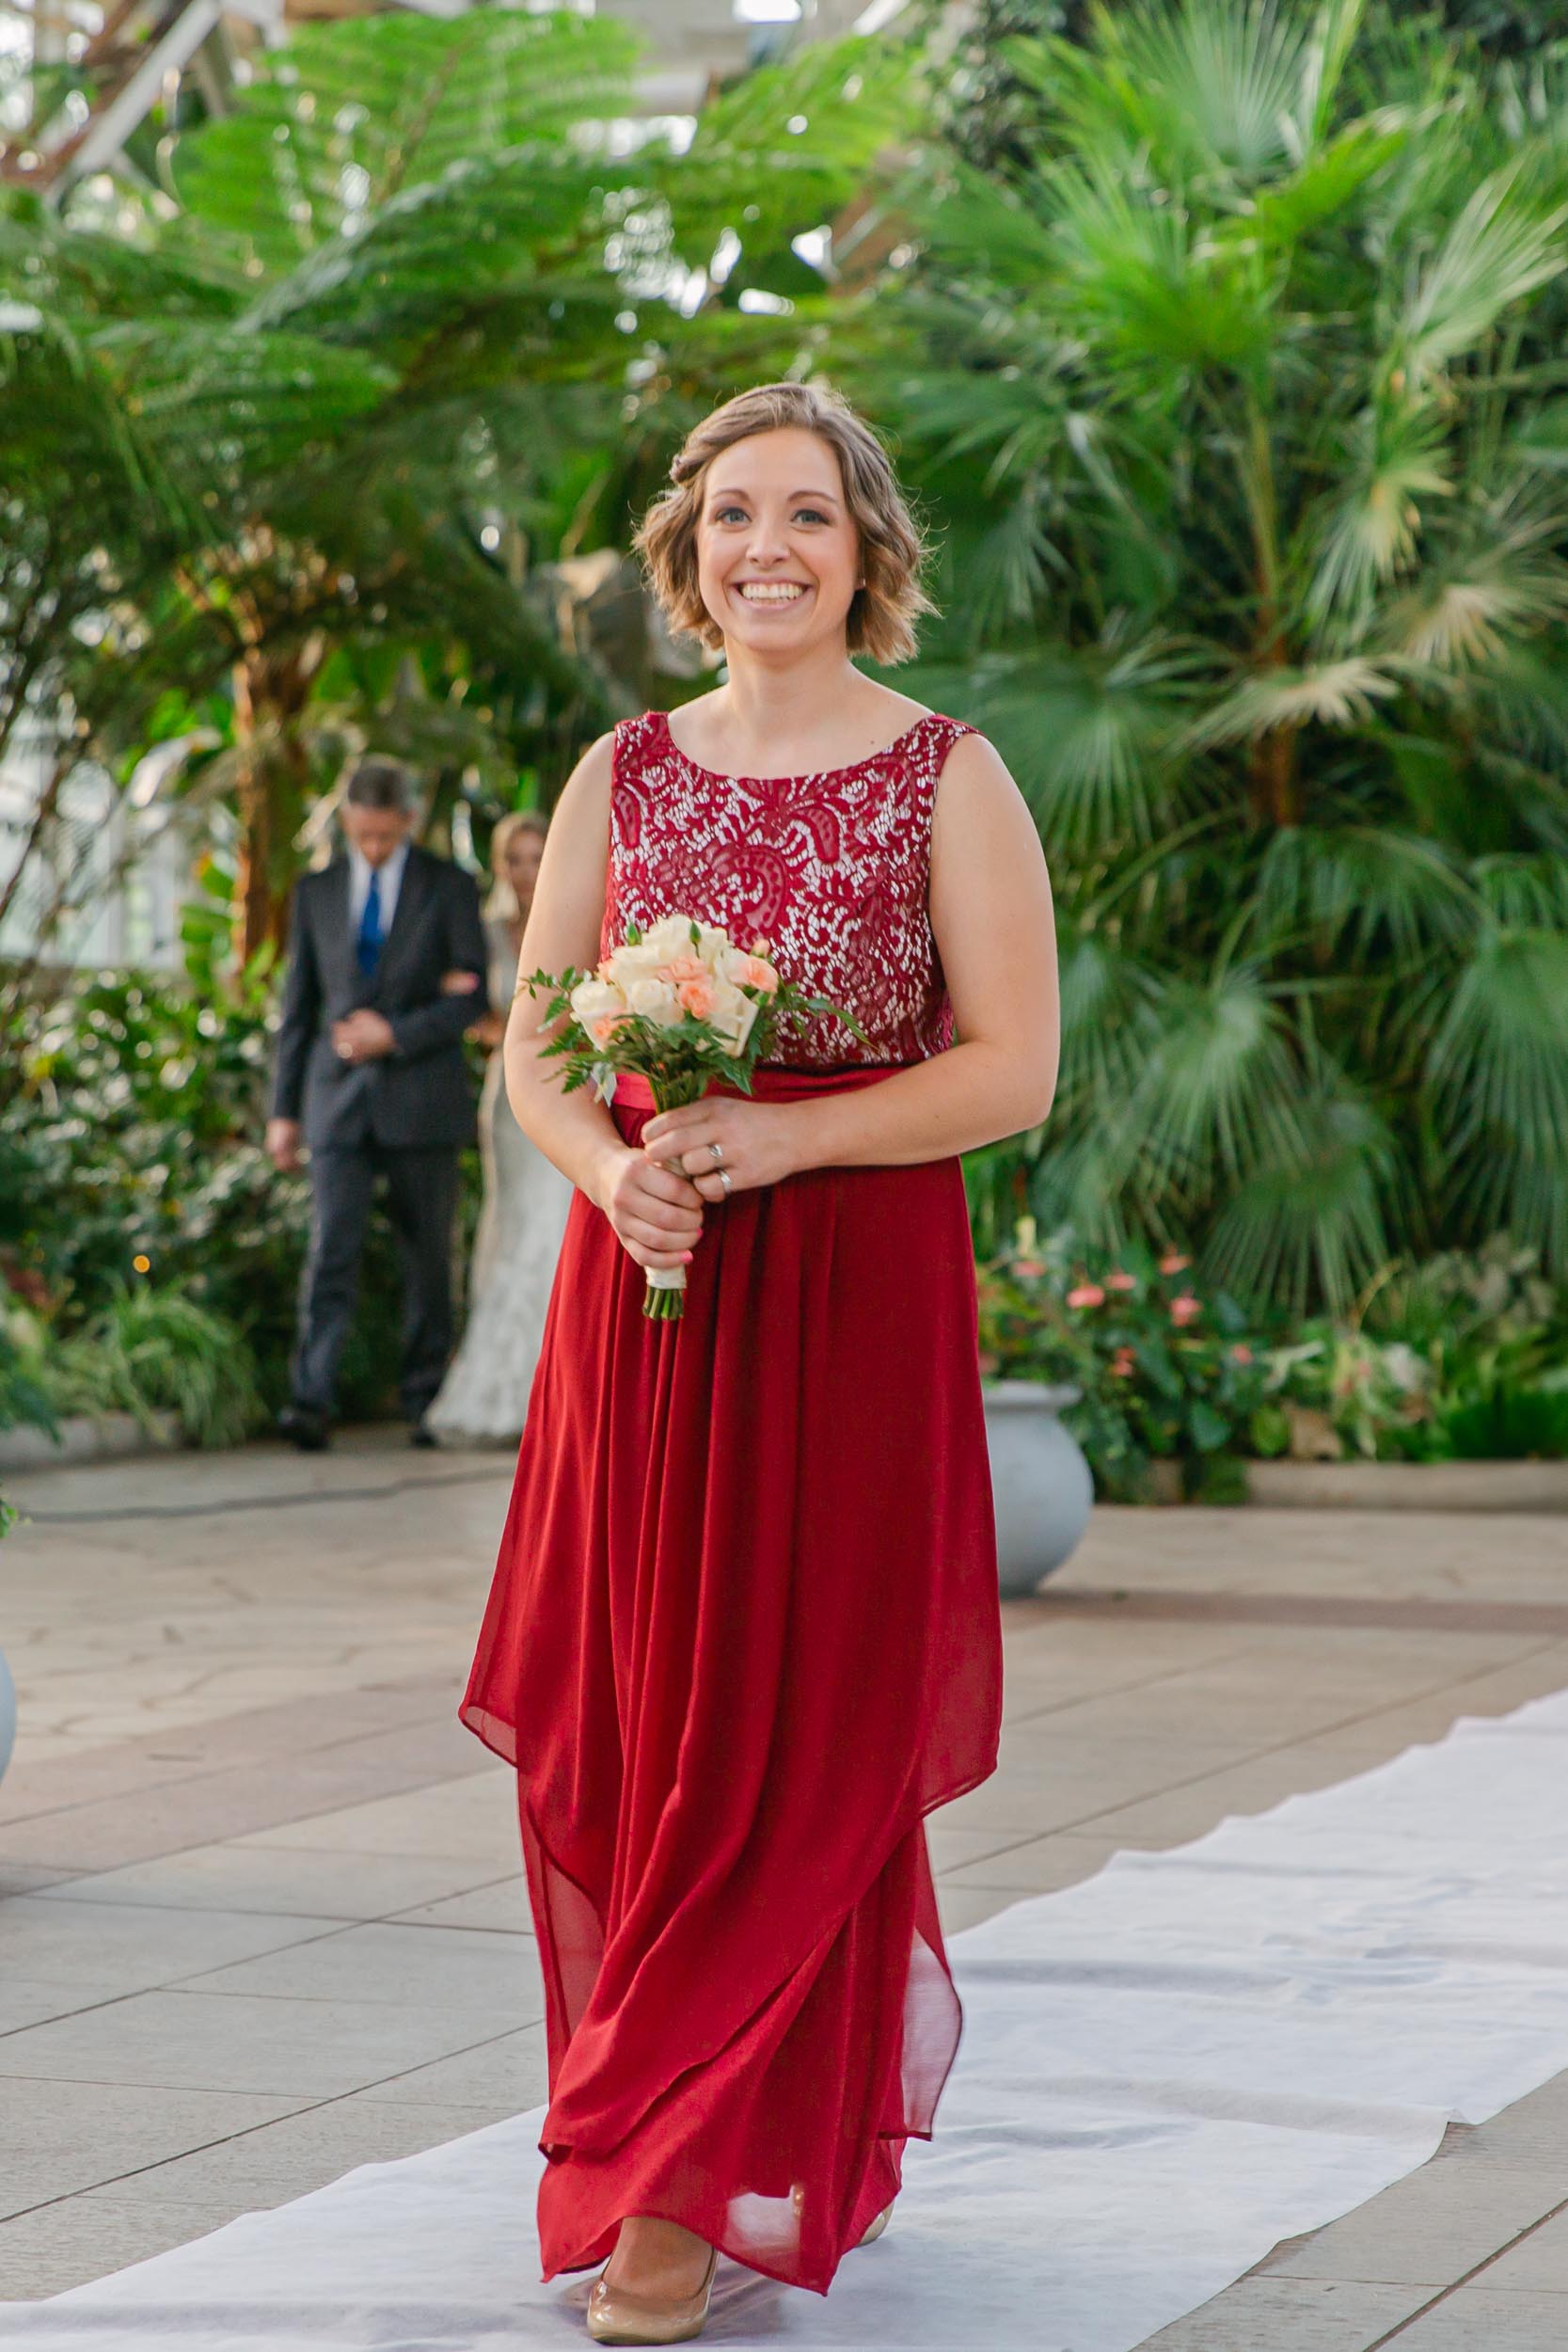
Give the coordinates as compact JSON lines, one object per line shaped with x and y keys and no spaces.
{"x":594,"y":1000}
{"x":713,"y":945}
{"x":655,"y":1000}
{"x":669,"y":936}
{"x":634,"y":963}
{"x":732,"y":1016}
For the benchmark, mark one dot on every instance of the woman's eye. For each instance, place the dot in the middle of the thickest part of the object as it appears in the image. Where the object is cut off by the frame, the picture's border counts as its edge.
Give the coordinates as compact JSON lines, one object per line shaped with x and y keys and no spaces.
{"x":730,"y":515}
{"x":809,"y":514}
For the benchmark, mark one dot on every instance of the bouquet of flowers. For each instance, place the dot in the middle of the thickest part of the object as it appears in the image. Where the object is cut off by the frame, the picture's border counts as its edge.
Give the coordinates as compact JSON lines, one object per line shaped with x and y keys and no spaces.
{"x":686,"y":1008}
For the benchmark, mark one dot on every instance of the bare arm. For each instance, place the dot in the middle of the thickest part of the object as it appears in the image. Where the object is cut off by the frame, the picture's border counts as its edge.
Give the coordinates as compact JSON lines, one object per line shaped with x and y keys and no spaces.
{"x":657,"y":1215}
{"x":992,"y":916}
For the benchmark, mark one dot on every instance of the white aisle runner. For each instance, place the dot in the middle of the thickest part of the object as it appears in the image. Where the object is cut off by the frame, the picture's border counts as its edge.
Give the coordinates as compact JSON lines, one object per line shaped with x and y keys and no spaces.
{"x":1166,"y":2070}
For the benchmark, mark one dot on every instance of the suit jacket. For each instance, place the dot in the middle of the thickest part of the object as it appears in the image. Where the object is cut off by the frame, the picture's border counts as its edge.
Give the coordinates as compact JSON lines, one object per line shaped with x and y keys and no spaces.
{"x":421,"y":1093}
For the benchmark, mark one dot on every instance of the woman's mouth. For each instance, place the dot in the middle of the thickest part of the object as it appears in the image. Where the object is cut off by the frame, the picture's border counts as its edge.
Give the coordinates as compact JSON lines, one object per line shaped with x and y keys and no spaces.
{"x":771,"y":591}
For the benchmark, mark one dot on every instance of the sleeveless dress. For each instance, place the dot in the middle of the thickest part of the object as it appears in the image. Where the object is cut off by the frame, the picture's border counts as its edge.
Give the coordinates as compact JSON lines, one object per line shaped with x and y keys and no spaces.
{"x":744,"y":1632}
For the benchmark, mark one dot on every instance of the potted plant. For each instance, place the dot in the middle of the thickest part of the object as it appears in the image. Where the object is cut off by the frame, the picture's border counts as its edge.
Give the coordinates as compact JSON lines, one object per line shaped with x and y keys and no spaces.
{"x":1164,"y":1377}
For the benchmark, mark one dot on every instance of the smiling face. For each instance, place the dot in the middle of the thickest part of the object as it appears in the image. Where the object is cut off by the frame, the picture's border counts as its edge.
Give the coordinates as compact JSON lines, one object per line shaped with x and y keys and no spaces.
{"x":778,"y":556}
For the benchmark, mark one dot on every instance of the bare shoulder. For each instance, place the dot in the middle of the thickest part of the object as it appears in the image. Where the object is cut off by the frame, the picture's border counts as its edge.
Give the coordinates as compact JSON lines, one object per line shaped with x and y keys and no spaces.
{"x":588,"y":785}
{"x":581,"y":812}
{"x":977,"y":786}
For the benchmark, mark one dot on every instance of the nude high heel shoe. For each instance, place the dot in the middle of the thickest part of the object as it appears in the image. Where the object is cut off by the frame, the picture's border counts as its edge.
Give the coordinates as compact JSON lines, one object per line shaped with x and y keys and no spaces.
{"x":878,"y":2226}
{"x":616,"y":2317}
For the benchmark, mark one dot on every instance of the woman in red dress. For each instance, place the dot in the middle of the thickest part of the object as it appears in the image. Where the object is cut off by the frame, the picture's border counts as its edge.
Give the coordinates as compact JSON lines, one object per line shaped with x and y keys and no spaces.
{"x":744,"y":1632}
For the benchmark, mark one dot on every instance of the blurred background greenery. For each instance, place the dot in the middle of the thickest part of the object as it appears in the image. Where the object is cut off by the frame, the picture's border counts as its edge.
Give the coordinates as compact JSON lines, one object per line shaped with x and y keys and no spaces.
{"x":1222,"y":343}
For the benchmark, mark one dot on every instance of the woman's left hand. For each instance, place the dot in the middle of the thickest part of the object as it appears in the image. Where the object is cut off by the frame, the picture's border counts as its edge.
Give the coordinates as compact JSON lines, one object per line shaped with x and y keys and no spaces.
{"x":753,"y":1140}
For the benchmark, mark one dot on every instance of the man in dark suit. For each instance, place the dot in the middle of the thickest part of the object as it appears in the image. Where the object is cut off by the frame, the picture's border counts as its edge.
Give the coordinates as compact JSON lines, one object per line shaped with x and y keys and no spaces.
{"x":371,"y":1076}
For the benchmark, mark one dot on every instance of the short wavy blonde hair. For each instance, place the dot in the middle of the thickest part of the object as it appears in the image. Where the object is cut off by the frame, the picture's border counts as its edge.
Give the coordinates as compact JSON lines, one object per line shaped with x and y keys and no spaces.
{"x":882,"y":613}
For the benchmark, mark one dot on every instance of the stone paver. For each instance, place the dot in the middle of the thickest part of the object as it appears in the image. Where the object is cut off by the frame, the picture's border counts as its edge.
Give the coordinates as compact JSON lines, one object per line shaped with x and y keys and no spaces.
{"x":262,"y":1917}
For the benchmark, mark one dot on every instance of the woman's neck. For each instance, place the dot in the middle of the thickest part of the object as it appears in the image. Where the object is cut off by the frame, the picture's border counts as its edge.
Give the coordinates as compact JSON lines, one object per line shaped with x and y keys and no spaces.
{"x":765,"y":708}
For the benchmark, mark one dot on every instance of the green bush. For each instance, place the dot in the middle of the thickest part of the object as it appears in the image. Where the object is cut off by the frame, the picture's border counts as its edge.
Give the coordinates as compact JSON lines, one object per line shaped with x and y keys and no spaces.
{"x":152,"y":1351}
{"x":1164,"y":1372}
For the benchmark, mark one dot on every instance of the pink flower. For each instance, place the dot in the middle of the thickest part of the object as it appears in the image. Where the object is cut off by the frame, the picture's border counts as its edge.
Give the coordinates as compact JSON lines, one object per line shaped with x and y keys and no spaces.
{"x":696,"y":994}
{"x":604,"y":1029}
{"x":1123,"y":1363}
{"x":761,"y":947}
{"x":755,"y":973}
{"x":1185,"y":1308}
{"x":1175,"y":1263}
{"x":1086,"y":1294}
{"x":1121,"y":1281}
{"x":1030,"y":1268}
{"x":683,"y":968}
{"x":1240,"y":1353}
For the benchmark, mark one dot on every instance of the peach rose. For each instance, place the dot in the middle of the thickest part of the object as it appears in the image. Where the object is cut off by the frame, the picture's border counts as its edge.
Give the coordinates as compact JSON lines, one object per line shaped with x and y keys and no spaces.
{"x":751,"y":971}
{"x":696,"y":994}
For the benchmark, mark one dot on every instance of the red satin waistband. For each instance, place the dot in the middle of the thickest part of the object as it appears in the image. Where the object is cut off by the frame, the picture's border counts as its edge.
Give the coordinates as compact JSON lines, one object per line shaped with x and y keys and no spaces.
{"x":775,"y":1083}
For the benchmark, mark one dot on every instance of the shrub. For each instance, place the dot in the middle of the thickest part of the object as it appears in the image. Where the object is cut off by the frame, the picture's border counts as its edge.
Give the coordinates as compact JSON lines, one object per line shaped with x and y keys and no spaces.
{"x":1164,"y":1372}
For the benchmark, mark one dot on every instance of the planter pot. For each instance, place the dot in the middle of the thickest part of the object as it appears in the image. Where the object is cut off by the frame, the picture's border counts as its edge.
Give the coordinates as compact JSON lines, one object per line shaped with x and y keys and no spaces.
{"x":1041,"y":1483}
{"x":87,"y":1437}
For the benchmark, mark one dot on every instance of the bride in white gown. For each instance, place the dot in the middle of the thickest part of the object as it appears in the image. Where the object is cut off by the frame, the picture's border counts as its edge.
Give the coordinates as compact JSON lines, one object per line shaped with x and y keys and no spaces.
{"x":485,"y":1396}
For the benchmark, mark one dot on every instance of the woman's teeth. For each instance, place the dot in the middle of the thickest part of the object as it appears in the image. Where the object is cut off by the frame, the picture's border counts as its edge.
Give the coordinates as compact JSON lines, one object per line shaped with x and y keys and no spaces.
{"x":772,"y":592}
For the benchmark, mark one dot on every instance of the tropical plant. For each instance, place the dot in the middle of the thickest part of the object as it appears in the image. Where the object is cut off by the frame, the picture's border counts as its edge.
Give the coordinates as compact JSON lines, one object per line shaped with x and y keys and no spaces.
{"x":385,"y":339}
{"x":1240,"y":395}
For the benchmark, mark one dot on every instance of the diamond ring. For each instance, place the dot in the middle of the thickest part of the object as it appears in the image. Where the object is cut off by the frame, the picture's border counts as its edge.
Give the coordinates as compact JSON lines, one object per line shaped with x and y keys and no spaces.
{"x":727,"y":1181}
{"x":717,"y":1151}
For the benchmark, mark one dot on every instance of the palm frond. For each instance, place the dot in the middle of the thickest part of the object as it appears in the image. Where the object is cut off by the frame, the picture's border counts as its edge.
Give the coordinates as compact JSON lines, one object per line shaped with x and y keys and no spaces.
{"x":1309,"y":1220}
{"x":347,"y":116}
{"x":1501,"y":247}
{"x":1367,"y":888}
{"x":1395,"y":455}
{"x":1087,"y":732}
{"x":1338,"y":694}
{"x":1497,"y":1070}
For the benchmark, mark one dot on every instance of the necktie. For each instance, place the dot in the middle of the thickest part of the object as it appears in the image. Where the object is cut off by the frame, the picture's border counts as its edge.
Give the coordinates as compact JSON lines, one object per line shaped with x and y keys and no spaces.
{"x":368,"y":949}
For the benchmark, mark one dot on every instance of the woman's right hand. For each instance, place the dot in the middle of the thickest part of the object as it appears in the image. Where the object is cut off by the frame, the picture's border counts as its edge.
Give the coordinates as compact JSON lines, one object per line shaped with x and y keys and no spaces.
{"x":657,"y":1216}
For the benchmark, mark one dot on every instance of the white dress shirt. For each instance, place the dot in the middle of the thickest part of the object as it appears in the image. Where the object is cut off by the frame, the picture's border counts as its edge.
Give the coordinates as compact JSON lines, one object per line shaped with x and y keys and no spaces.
{"x":360,"y":888}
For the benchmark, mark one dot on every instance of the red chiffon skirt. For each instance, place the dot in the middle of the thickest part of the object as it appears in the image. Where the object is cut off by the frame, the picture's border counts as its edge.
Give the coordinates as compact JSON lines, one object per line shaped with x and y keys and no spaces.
{"x":744,"y":1634}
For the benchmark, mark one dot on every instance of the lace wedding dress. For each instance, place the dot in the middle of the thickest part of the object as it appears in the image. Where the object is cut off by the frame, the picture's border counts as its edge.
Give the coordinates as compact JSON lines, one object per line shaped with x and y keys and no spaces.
{"x":484,"y":1398}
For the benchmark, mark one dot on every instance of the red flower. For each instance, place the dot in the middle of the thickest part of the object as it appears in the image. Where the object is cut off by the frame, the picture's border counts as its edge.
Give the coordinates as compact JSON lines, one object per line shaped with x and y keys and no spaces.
{"x":1030,"y":1267}
{"x":1240,"y":1353}
{"x":1123,"y":1363}
{"x":1185,"y":1308}
{"x":1086,"y":1294}
{"x":1121,"y":1281}
{"x":1175,"y":1263}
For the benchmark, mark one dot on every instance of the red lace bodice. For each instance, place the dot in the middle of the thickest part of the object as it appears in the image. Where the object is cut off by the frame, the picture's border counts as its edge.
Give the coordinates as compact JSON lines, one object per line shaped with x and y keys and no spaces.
{"x":833,"y":868}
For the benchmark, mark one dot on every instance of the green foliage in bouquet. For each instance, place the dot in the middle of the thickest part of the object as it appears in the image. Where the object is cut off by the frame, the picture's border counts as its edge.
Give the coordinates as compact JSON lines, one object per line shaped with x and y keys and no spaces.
{"x":1165,"y":1371}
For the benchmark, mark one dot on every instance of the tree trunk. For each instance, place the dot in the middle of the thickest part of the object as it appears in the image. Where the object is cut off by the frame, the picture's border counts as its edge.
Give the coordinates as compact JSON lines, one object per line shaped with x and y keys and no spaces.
{"x":270,"y":695}
{"x":1274,"y":783}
